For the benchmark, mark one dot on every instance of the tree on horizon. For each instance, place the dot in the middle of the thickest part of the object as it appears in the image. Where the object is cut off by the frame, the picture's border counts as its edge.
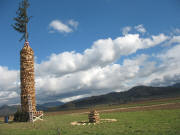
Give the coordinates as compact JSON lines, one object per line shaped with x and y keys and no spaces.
{"x":22,"y":20}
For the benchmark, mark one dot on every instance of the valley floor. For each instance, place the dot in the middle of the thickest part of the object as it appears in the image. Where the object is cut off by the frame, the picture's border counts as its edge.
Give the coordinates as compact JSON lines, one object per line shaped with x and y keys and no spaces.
{"x":148,"y":118}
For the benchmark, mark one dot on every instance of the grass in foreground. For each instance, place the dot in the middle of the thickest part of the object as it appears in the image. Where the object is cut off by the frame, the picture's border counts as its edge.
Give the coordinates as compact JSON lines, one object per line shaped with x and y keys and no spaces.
{"x":154,"y":122}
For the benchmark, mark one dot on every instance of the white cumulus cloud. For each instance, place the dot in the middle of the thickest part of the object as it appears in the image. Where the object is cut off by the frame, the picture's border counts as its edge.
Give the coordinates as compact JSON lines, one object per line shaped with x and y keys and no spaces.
{"x":140,"y":28}
{"x":57,"y":25}
{"x":73,"y":23}
{"x":9,"y":85}
{"x":72,"y":75}
{"x":102,"y":52}
{"x":125,"y":30}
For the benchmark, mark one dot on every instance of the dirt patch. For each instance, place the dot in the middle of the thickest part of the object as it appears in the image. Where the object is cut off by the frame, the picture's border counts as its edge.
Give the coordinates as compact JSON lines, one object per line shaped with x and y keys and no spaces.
{"x":146,"y":108}
{"x":83,"y":123}
{"x":140,"y":108}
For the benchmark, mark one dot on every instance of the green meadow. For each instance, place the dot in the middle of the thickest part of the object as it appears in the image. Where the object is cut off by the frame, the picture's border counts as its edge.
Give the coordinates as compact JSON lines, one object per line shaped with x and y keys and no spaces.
{"x":152,"y":122}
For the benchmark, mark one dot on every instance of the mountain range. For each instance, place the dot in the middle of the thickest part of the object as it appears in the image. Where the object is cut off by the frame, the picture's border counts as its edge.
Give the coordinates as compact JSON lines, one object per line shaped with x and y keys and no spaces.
{"x":137,"y":93}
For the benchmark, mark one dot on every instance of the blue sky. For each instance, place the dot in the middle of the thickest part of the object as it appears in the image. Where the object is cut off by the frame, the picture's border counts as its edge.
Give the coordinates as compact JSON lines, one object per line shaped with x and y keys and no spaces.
{"x":97,"y":19}
{"x":84,"y":39}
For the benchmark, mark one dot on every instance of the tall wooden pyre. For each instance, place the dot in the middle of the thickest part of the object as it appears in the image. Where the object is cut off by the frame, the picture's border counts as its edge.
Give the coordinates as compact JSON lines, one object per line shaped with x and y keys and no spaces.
{"x":27,"y":77}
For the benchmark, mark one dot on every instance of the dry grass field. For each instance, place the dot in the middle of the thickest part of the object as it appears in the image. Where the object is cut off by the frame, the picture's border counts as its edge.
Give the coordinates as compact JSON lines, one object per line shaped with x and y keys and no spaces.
{"x":155,"y":117}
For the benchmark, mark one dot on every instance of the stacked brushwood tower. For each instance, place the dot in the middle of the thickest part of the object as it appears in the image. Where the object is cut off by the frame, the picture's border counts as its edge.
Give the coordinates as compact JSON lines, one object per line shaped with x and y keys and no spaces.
{"x":28,"y":110}
{"x":27,"y":77}
{"x":28,"y":101}
{"x":94,"y":117}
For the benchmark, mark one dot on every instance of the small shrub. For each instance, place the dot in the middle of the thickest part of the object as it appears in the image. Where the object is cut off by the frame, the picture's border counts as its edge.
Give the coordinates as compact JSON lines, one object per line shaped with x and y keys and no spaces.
{"x":20,"y":116}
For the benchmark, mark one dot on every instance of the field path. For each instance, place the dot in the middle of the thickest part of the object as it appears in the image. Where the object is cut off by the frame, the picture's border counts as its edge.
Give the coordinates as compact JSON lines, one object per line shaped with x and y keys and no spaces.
{"x":139,"y":108}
